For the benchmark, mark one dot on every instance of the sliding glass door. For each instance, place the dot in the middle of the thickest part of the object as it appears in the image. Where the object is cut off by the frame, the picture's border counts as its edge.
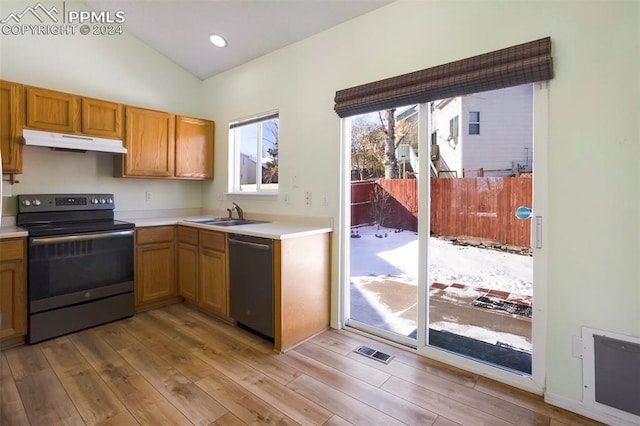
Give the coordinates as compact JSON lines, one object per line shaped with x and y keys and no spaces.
{"x":437,"y":257}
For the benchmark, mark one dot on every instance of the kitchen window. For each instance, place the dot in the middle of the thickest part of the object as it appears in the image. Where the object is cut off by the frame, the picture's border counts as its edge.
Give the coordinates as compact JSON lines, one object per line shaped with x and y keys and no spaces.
{"x":254,"y":154}
{"x":474,"y":122}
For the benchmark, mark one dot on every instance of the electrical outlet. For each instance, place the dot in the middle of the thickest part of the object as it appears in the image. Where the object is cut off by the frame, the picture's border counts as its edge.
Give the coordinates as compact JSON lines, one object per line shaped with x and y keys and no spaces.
{"x":324,"y":200}
{"x":307,"y":198}
{"x":287,"y":199}
{"x":148,"y":195}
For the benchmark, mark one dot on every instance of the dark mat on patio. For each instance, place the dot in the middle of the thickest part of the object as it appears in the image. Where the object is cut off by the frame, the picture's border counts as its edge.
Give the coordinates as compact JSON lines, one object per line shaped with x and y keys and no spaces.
{"x":500,"y":356}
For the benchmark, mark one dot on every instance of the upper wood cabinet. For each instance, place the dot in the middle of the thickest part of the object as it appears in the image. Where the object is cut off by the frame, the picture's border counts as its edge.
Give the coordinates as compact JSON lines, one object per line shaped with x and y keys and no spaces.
{"x":101,"y":118}
{"x":150,"y":142}
{"x":11,"y":122}
{"x":162,"y":145}
{"x":66,"y":113}
{"x":53,"y":111}
{"x":194,"y":148}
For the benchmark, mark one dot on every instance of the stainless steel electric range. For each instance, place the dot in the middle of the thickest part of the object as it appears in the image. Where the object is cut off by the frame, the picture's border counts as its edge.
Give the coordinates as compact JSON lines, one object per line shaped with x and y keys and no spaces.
{"x":80,"y":262}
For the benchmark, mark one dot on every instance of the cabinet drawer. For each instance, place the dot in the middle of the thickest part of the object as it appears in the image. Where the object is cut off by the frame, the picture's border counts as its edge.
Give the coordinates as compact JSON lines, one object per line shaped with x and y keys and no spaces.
{"x":12,"y":249}
{"x":212,"y":240}
{"x":187,"y":235}
{"x":155,"y":234}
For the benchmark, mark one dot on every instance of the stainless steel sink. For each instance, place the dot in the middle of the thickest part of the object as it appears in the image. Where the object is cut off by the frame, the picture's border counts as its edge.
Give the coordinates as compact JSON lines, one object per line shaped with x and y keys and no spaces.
{"x":225,"y":221}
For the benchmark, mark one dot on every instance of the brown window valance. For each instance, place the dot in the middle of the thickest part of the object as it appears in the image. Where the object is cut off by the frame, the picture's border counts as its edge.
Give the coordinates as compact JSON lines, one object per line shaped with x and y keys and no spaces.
{"x":524,"y":63}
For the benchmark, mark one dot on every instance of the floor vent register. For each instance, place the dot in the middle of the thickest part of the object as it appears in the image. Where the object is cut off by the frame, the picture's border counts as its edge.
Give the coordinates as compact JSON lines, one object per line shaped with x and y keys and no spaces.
{"x":374,"y":354}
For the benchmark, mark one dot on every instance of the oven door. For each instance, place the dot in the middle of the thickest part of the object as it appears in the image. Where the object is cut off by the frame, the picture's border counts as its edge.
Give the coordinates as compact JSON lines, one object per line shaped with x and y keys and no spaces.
{"x":70,"y":269}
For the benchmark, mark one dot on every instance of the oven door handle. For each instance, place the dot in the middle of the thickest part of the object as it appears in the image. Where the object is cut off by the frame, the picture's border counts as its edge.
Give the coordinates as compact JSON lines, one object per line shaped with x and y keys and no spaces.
{"x":39,"y":241}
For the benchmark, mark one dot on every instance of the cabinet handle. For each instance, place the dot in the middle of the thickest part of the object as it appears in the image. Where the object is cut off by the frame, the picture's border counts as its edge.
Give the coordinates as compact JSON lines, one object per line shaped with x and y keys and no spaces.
{"x":253,"y":245}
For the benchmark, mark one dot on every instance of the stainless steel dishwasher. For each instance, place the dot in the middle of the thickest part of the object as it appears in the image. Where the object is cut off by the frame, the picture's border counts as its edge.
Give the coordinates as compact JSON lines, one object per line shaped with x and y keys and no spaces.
{"x":251,"y":283}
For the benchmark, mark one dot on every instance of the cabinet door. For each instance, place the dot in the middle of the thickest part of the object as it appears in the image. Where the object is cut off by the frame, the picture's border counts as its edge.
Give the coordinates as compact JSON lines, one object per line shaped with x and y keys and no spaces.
{"x":11,"y":116}
{"x":13,"y":289}
{"x":194,"y":148}
{"x":188,"y":271}
{"x":150,"y":141}
{"x":53,"y":111}
{"x":155,"y":272}
{"x":213,"y":281}
{"x":101,"y":118}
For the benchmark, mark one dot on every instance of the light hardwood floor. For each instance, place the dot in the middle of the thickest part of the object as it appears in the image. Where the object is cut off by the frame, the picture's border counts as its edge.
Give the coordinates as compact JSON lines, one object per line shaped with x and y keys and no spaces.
{"x":177,"y":366}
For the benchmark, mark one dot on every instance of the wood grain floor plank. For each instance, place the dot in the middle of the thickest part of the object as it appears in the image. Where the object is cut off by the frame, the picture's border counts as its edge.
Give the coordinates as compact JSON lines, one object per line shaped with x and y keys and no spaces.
{"x":25,"y":360}
{"x":531,"y":402}
{"x":375,"y":397}
{"x":92,"y":397}
{"x":266,"y":362}
{"x":337,"y":421}
{"x":11,"y":409}
{"x":348,"y":408}
{"x":142,"y":400}
{"x":195,"y":404}
{"x":412,"y":359}
{"x":228,"y":420}
{"x":242,"y":403}
{"x":345,"y":364}
{"x":282,"y":398}
{"x":495,"y":406}
{"x":443,"y":421}
{"x":217,"y":374}
{"x":438,"y":403}
{"x":46,"y":401}
{"x":235,"y":333}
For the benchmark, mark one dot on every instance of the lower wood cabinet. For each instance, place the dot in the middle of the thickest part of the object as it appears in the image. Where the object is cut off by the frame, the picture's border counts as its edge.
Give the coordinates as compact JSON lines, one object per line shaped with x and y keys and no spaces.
{"x":302,"y":269}
{"x":155,"y":270}
{"x":13,"y":291}
{"x":202,"y":269}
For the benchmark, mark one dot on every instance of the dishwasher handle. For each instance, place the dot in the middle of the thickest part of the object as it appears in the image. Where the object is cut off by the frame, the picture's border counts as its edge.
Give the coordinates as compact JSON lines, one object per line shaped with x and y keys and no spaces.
{"x":257,"y":246}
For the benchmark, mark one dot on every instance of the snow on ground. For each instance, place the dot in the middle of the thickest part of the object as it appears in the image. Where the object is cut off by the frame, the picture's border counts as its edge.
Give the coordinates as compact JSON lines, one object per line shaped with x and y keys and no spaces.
{"x":397,"y":254}
{"x":383,"y":255}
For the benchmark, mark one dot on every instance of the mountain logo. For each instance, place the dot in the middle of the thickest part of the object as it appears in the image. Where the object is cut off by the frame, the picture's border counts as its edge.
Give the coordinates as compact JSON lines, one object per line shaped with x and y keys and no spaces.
{"x":39,"y":11}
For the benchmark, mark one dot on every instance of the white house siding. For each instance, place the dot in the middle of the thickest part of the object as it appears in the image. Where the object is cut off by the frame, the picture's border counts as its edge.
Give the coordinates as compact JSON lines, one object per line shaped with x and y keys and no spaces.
{"x":450,"y":152}
{"x":506,"y":128}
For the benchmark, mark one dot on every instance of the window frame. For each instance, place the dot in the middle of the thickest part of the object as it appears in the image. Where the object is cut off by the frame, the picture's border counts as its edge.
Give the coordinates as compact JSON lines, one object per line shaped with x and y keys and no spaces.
{"x":474,"y":123}
{"x":234,"y":159}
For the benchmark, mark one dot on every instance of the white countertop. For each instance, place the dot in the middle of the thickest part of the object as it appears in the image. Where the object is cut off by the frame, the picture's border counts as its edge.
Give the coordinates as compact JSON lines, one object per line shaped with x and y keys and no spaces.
{"x":277,"y":229}
{"x":12,"y":231}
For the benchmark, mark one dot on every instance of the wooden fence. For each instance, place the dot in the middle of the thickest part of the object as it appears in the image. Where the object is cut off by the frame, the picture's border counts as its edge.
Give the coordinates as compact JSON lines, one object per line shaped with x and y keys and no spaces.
{"x":480,"y":208}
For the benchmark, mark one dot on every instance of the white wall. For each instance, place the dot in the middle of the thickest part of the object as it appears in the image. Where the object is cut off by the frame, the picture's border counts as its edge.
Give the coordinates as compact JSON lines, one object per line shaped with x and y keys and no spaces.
{"x":450,"y":150}
{"x":118,"y":68}
{"x":594,"y":182}
{"x":593,"y":216}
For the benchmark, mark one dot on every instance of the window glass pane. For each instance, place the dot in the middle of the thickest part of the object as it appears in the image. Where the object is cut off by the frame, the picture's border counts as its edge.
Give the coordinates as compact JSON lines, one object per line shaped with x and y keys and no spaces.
{"x":474,"y":128}
{"x":253,"y":154}
{"x":248,"y":156}
{"x":270,"y":154}
{"x":474,"y":116}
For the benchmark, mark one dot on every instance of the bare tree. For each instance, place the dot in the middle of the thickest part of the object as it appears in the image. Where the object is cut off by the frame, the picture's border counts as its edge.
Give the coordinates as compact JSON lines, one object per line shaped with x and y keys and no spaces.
{"x":379,"y":204}
{"x":390,"y":160}
{"x":270,"y":174}
{"x":367,"y":149}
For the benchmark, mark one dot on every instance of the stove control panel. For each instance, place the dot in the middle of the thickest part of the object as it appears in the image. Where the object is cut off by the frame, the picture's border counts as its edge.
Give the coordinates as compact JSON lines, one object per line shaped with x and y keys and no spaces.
{"x":64,"y":202}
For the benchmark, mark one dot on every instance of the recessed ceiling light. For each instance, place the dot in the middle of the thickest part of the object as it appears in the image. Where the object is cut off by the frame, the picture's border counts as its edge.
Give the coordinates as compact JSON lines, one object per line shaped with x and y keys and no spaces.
{"x":218,"y":40}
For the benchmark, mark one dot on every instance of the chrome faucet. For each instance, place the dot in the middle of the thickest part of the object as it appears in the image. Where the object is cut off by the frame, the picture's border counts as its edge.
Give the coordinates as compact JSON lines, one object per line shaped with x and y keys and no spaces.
{"x":239,"y":210}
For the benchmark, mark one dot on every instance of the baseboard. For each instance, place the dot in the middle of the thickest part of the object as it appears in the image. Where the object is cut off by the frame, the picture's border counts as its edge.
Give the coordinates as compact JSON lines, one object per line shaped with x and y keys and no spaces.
{"x":579,"y":408}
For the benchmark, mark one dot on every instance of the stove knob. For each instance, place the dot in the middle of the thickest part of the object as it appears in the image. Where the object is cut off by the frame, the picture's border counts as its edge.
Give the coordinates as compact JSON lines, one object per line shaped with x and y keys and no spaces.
{"x":94,"y":201}
{"x":36,"y":202}
{"x":109,"y":201}
{"x":102,"y":201}
{"x":26,"y":203}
